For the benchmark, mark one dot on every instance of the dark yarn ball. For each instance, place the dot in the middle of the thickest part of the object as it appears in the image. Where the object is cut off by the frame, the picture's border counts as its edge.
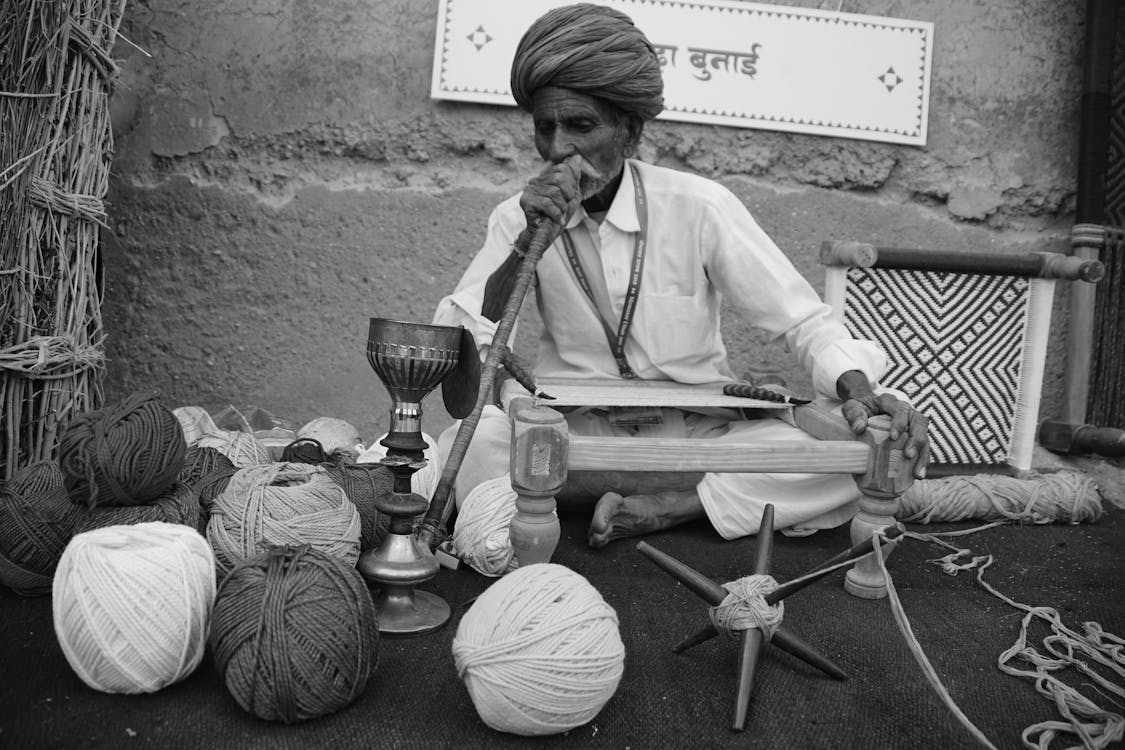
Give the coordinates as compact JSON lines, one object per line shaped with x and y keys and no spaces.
{"x":179,"y":505}
{"x":36,"y":523}
{"x":363,"y":483}
{"x":294,"y":634}
{"x":128,"y":453}
{"x":304,"y":451}
{"x":206,"y":471}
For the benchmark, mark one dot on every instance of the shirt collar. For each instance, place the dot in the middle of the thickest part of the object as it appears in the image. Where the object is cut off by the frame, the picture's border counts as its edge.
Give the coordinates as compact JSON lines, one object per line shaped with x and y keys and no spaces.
{"x":623,"y":211}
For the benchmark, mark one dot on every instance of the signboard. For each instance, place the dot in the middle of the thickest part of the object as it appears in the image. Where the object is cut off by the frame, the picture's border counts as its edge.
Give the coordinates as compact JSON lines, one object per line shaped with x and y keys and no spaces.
{"x":726,"y":62}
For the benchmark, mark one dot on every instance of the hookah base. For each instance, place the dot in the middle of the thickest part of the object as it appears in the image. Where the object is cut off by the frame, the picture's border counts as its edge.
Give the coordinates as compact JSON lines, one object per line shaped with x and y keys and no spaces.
{"x":405,"y":612}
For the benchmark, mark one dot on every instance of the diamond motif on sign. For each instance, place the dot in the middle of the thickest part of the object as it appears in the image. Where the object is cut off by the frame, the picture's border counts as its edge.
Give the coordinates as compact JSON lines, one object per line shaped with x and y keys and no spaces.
{"x":479,"y":38}
{"x":890,"y":79}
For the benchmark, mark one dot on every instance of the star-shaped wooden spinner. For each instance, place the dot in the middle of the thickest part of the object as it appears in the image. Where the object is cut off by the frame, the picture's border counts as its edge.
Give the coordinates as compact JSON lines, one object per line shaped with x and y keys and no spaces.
{"x":752,"y":638}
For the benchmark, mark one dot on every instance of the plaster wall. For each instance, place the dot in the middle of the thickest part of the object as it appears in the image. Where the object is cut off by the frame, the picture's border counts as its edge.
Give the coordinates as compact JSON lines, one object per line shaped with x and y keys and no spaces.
{"x":281,"y":175}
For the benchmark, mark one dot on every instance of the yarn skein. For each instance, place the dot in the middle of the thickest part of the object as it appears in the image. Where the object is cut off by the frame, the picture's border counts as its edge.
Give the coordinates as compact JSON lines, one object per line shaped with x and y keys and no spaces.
{"x":480,"y":536}
{"x":178,"y":505}
{"x":128,"y":453}
{"x":1065,"y":496}
{"x":333,"y":434}
{"x":206,"y":471}
{"x":425,"y":480}
{"x":363,"y":484}
{"x":36,"y":523}
{"x":282,"y":503}
{"x":294,"y":634}
{"x":199,"y":429}
{"x":539,"y":651}
{"x":132,"y":605}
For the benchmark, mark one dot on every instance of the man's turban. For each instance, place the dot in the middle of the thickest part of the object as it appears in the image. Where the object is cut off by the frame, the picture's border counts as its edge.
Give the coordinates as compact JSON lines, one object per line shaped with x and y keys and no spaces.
{"x":594,"y":50}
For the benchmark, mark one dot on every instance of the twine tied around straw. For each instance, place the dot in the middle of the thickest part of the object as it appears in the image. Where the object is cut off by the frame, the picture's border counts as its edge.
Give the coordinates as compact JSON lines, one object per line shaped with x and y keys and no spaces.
{"x":51,"y":357}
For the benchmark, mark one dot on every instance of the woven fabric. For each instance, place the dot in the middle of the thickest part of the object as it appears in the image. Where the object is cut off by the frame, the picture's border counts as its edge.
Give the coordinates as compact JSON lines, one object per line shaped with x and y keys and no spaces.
{"x":956,"y":345}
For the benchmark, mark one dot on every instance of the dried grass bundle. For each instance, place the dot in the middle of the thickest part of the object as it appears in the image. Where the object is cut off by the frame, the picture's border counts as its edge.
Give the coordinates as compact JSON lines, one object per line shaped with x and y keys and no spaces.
{"x":56,"y":143}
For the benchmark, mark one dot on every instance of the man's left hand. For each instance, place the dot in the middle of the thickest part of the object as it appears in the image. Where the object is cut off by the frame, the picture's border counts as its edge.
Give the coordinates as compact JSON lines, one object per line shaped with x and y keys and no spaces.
{"x":905,"y":419}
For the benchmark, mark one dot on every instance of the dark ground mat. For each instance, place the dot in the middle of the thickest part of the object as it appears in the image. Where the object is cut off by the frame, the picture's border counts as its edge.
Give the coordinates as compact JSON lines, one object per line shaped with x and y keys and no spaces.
{"x":665,"y":700}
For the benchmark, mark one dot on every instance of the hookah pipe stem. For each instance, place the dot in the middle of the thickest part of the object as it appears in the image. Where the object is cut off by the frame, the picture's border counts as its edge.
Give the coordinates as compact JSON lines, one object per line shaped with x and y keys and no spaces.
{"x":440,"y":507}
{"x":523,"y":376}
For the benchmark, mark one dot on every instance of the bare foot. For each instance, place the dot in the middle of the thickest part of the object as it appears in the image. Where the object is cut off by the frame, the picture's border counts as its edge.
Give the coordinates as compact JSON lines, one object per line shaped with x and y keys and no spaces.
{"x":617,"y":517}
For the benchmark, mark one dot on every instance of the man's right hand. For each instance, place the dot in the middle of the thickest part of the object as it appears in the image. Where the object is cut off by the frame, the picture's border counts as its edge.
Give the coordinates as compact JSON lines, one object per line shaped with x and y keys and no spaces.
{"x":556,"y":192}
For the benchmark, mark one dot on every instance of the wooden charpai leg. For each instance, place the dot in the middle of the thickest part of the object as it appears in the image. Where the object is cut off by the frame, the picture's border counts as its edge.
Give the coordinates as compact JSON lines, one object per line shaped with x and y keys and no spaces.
{"x":538,"y":468}
{"x":889,"y":474}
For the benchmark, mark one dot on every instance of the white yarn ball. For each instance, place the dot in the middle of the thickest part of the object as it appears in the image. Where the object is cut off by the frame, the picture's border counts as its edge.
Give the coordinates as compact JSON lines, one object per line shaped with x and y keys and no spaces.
{"x":425,"y":480}
{"x":132,"y":605}
{"x":539,"y":651}
{"x":480,"y":537}
{"x":332,"y":434}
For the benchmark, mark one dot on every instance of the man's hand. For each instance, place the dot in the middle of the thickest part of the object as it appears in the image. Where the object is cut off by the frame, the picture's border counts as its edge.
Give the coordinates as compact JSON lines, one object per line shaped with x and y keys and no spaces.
{"x":553,"y":195}
{"x":556,"y":192}
{"x":861,"y":403}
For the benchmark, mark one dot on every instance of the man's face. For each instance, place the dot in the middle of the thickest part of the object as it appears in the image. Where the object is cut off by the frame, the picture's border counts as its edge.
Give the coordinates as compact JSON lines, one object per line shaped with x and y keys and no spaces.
{"x":569,"y":122}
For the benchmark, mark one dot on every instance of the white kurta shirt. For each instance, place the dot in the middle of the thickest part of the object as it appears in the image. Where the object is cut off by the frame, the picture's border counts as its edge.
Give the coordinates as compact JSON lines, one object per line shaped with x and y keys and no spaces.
{"x":703,"y":246}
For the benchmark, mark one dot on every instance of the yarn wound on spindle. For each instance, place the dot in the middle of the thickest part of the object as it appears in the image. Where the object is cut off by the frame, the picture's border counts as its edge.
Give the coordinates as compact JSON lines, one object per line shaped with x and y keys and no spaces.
{"x":540,"y":651}
{"x":132,"y":605}
{"x":363,"y":483}
{"x":294,"y":634}
{"x":745,"y":607}
{"x":1065,"y":496}
{"x":199,"y":429}
{"x":36,"y":523}
{"x":480,"y":537}
{"x":178,"y":505}
{"x":128,"y":453}
{"x":282,"y":503}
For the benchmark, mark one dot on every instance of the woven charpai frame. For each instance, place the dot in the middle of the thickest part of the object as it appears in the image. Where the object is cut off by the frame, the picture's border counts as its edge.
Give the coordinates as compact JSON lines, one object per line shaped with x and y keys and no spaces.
{"x":967,"y":349}
{"x":56,"y":75}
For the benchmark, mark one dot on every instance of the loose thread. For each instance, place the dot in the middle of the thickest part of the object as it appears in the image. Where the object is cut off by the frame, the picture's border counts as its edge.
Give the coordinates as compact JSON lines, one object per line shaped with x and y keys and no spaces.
{"x":1101,"y":727}
{"x":916,"y":649}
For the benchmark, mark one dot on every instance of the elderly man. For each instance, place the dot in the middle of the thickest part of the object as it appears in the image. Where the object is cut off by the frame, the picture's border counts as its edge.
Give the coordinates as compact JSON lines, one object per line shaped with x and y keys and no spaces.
{"x":632,"y":286}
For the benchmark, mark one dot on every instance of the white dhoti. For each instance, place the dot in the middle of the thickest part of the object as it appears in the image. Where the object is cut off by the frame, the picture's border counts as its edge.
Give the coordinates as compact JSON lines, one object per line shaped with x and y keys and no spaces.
{"x":733,"y":502}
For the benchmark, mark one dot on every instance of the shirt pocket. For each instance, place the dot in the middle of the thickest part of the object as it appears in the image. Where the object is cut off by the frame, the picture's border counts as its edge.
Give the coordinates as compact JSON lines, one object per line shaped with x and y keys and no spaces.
{"x":678,"y":329}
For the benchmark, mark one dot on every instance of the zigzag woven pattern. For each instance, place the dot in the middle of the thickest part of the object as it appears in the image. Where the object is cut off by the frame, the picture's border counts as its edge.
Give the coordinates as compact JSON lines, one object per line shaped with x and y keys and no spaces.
{"x":955,"y":343}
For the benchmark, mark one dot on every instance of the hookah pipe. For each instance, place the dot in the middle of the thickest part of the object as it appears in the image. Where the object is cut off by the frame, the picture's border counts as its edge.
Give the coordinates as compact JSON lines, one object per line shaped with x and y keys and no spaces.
{"x":429,"y":531}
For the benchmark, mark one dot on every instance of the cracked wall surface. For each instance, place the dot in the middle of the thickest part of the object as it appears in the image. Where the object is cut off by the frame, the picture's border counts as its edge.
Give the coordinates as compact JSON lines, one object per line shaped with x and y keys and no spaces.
{"x":281,"y":175}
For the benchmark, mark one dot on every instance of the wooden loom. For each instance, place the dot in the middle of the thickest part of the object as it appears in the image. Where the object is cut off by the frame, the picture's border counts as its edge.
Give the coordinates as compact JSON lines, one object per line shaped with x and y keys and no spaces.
{"x":543,"y":452}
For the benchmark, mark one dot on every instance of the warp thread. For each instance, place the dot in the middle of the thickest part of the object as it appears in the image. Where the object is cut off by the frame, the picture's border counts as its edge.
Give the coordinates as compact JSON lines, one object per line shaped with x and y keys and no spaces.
{"x":36,"y":523}
{"x":206,"y":471}
{"x":294,"y":634}
{"x":241,"y":448}
{"x":132,"y":605}
{"x":480,"y":536}
{"x":1065,"y":496}
{"x":128,"y":453}
{"x":282,"y":503}
{"x":363,"y":484}
{"x":745,"y":607}
{"x":539,"y":651}
{"x":179,"y":505}
{"x":425,"y":480}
